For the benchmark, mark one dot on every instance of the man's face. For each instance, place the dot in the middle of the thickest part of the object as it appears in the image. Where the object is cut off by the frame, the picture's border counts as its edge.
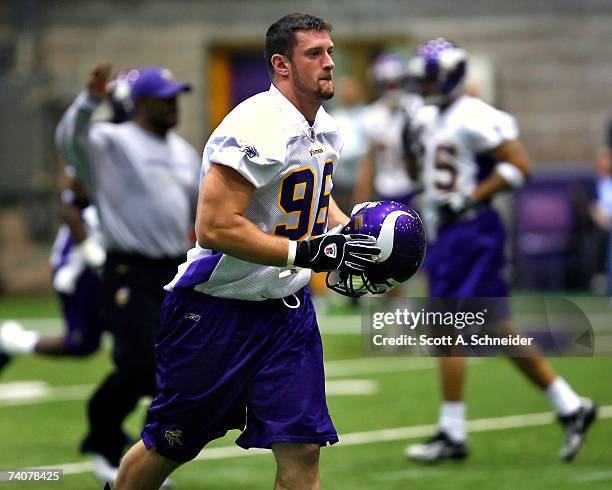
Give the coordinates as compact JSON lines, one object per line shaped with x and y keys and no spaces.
{"x":162,"y":114}
{"x":312,"y":64}
{"x":427,"y":88}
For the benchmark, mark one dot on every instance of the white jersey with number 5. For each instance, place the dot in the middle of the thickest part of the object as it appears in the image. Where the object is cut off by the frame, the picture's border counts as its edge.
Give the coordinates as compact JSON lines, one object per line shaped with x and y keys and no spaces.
{"x":455,"y":143}
{"x":290,"y":165}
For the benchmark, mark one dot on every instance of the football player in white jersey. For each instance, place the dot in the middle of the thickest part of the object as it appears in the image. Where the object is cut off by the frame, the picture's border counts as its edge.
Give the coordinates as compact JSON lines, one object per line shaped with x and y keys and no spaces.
{"x":239,"y":345}
{"x":468,"y":152}
{"x":382,"y":172}
{"x":76,"y":256}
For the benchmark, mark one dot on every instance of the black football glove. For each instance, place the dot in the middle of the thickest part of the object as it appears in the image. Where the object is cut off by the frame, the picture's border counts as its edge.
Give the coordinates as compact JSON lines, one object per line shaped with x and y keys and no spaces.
{"x":455,"y":208}
{"x":335,"y":251}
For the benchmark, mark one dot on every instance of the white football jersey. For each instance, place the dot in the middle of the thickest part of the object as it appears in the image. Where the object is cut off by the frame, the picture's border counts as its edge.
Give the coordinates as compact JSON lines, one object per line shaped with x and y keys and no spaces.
{"x":290,"y":164}
{"x":382,"y":128}
{"x":455,"y":142}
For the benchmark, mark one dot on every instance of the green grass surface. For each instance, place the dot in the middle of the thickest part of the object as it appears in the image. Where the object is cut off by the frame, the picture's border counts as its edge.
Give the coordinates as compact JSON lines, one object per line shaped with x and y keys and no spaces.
{"x":46,"y":433}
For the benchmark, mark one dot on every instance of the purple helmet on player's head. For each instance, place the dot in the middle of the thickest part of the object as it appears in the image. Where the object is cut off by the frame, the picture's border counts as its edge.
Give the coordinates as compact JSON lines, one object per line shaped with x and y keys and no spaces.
{"x":440,"y":67}
{"x":388,"y":72}
{"x":399,"y":233}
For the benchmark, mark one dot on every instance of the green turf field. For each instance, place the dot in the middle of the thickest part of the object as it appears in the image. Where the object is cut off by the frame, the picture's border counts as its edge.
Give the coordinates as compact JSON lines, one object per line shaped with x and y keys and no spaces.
{"x":378,"y":406}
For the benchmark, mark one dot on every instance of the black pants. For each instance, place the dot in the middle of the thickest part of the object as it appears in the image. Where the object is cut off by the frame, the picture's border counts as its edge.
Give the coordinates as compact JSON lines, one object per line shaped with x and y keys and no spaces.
{"x":132,"y":288}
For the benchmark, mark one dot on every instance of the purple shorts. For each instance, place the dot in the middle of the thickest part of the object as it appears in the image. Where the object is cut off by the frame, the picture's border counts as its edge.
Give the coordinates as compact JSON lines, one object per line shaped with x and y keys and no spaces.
{"x":467,"y":261}
{"x":229,"y":364}
{"x":82,"y":313}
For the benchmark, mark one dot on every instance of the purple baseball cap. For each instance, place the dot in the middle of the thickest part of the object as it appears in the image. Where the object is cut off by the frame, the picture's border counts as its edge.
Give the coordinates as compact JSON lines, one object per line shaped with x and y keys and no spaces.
{"x":157,"y":82}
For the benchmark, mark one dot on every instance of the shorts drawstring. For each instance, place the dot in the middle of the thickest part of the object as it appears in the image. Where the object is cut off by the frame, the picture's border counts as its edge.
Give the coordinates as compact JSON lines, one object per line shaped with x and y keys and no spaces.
{"x":297,"y":302}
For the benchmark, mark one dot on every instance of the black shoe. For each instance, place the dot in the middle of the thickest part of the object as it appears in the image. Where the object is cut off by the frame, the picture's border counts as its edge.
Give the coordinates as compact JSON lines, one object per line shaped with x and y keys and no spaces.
{"x":576,"y":426}
{"x":4,"y":360}
{"x":438,"y":448}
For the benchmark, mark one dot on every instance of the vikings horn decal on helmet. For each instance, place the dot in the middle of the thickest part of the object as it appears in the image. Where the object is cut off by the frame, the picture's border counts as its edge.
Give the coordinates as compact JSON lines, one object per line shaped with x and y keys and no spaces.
{"x":399,"y":233}
{"x":441,"y":61}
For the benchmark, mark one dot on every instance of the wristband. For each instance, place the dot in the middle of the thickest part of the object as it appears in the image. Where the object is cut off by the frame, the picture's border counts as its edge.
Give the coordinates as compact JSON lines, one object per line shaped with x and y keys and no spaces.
{"x":291,"y":253}
{"x":513,"y":175}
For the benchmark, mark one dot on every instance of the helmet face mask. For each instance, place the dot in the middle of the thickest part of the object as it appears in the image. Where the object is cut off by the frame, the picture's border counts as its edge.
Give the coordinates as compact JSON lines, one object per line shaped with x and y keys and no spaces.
{"x":399,"y":233}
{"x":439,"y":67}
{"x":354,"y":286}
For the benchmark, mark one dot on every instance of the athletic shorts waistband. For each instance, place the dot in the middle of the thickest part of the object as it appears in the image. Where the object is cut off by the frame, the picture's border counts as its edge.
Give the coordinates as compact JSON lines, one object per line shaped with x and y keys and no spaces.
{"x":302,"y":294}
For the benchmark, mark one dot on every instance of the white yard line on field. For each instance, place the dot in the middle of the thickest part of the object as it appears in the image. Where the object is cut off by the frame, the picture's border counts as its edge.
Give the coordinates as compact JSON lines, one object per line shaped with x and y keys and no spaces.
{"x":35,"y":392}
{"x":595,"y":476}
{"x":385,"y":435}
{"x":407,"y":474}
{"x":330,"y":325}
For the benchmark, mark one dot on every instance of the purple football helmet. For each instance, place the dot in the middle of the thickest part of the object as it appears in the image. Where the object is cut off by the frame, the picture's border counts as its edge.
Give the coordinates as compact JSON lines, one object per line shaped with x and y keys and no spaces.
{"x":441,"y":61}
{"x":400,"y":234}
{"x":388,"y":71}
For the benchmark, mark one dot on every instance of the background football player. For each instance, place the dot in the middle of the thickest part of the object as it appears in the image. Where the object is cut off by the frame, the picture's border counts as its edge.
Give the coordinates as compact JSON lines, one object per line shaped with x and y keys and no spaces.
{"x":77,"y":255}
{"x":382,"y":172}
{"x":469,"y":151}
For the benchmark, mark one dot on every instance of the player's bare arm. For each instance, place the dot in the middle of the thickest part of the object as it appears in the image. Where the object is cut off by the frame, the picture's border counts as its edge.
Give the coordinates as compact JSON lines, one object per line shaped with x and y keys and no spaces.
{"x":410,"y":145}
{"x":98,"y":79}
{"x":513,"y":169}
{"x":412,"y":166}
{"x":365,"y":178}
{"x":335,"y":216}
{"x":221,"y":225}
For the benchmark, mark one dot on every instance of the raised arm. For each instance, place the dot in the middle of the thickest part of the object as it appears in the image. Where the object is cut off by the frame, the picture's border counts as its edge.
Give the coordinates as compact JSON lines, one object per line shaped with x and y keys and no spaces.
{"x":72,"y":135}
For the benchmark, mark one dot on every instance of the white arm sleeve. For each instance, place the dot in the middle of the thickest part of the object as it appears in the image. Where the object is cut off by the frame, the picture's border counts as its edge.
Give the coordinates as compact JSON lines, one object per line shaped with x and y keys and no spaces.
{"x":489,"y":128}
{"x":370,"y":125}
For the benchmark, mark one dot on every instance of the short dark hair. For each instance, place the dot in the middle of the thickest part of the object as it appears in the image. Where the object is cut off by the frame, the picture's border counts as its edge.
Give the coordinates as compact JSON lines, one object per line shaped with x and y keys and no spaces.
{"x":280,"y":38}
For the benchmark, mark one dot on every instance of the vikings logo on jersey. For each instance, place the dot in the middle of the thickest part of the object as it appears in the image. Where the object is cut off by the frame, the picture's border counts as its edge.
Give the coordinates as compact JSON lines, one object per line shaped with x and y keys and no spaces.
{"x":250,"y":151}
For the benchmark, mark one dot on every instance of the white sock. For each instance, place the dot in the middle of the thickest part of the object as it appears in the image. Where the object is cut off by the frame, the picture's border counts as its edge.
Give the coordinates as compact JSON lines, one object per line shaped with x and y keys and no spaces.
{"x":452,"y":420}
{"x":14,"y":339}
{"x":562,"y":397}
